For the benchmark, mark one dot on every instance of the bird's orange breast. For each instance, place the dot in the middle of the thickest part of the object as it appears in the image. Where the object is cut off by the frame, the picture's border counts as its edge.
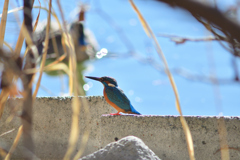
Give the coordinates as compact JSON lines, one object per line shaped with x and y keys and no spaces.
{"x":112,"y":104}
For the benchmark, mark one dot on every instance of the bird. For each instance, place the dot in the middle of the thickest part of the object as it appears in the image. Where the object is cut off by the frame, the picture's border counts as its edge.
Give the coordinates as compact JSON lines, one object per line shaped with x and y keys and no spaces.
{"x":84,"y":41}
{"x":115,"y":96}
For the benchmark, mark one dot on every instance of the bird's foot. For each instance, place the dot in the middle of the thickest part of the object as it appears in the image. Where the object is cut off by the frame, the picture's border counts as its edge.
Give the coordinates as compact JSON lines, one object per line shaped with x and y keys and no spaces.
{"x":115,"y":114}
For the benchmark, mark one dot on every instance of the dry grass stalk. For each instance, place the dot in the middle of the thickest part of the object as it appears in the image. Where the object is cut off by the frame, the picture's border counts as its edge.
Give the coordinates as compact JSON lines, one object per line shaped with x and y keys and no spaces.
{"x":45,"y":50}
{"x":74,"y":133}
{"x":161,"y":55}
{"x":223,"y":28}
{"x":36,"y":22}
{"x":50,"y":67}
{"x":222,"y":132}
{"x":9,"y":47}
{"x":3,"y":98}
{"x":11,"y":69}
{"x":5,"y":91}
{"x":3,"y":153}
{"x":14,"y":145}
{"x":3,"y":22}
{"x":27,"y":77}
{"x":74,"y":88}
{"x":7,"y":132}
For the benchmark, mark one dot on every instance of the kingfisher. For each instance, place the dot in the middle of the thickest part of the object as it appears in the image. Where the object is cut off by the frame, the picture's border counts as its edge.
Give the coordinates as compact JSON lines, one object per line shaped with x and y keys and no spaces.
{"x":115,"y":96}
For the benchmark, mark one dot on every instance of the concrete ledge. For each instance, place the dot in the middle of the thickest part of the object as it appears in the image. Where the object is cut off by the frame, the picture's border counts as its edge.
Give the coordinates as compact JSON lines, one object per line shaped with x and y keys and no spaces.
{"x":52,"y":124}
{"x":165,"y":137}
{"x":162,"y":134}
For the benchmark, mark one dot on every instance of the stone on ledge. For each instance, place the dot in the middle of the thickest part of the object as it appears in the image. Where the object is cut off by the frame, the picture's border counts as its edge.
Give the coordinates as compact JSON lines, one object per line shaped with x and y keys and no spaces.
{"x":127,"y":148}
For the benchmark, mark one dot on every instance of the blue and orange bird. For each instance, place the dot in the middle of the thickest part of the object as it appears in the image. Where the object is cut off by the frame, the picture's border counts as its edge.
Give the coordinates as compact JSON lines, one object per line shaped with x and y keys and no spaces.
{"x":115,"y":96}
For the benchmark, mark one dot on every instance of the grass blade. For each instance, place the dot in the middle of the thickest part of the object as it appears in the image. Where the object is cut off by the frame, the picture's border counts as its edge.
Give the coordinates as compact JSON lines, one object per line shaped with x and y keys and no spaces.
{"x":161,"y":55}
{"x":7,"y":132}
{"x":19,"y":134}
{"x":3,"y":22}
{"x":74,"y":88}
{"x":59,"y":66}
{"x":3,"y":98}
{"x":7,"y":45}
{"x":45,"y":50}
{"x":74,"y":133}
{"x":36,"y":22}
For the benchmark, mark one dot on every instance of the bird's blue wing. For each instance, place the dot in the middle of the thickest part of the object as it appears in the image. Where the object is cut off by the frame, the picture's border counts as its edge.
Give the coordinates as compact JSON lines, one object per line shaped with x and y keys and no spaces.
{"x":117,"y":96}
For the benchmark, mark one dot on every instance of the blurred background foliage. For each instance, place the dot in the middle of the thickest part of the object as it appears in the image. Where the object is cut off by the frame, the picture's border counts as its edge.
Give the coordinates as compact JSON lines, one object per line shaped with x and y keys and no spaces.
{"x":122,"y":50}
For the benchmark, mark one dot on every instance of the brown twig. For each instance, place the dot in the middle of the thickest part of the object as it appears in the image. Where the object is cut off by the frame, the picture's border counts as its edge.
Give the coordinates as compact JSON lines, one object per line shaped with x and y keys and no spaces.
{"x":27,"y":83}
{"x":209,"y":13}
{"x":131,"y":53}
{"x":180,"y":40}
{"x":213,"y":19}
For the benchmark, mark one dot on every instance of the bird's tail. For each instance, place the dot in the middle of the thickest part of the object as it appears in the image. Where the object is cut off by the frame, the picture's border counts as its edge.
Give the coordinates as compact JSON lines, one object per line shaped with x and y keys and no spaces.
{"x":134,"y":111}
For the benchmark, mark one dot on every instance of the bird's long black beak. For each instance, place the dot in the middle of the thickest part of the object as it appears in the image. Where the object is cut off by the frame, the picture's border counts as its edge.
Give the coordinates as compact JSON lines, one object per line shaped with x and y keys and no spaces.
{"x":94,"y":78}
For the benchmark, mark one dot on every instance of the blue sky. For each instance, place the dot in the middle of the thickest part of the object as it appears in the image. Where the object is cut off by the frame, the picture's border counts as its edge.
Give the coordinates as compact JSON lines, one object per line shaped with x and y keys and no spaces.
{"x":149,"y":89}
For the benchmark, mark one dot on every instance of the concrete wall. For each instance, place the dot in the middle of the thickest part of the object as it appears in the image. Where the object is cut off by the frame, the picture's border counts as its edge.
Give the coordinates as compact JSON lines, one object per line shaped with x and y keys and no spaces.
{"x":163,"y":134}
{"x":51,"y":126}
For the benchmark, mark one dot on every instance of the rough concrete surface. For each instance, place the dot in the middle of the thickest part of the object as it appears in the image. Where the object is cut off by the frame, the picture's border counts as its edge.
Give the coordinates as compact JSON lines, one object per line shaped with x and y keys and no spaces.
{"x":52,"y":123}
{"x":165,"y":136}
{"x":162,"y":134}
{"x":127,"y":148}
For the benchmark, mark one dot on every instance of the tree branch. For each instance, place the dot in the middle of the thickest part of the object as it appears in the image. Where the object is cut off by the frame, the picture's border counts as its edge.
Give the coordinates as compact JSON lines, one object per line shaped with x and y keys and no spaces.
{"x":27,"y":83}
{"x":209,"y":13}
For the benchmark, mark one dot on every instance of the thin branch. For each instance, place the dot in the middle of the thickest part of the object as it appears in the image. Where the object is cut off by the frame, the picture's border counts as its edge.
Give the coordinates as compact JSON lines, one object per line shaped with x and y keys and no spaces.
{"x":209,"y":13}
{"x":117,"y":28}
{"x":181,"y":72}
{"x":219,"y":37}
{"x":27,"y":83}
{"x":180,"y":40}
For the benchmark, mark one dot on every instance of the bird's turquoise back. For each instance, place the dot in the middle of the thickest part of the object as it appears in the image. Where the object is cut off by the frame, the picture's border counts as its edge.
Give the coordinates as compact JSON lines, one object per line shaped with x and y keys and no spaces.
{"x":117,"y":96}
